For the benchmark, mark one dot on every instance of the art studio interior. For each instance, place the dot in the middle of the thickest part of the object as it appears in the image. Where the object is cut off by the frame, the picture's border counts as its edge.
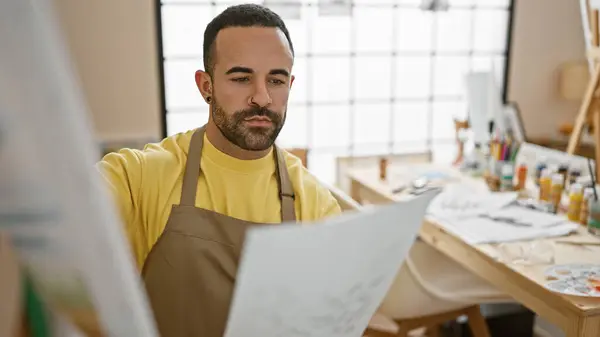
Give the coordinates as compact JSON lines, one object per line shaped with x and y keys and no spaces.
{"x":439,"y":154}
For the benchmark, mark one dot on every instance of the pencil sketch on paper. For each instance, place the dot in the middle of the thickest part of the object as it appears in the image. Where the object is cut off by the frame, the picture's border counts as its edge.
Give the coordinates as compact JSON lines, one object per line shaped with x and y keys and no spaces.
{"x":458,"y":202}
{"x":335,"y":315}
{"x":319,"y":281}
{"x":346,"y":311}
{"x":341,"y":310}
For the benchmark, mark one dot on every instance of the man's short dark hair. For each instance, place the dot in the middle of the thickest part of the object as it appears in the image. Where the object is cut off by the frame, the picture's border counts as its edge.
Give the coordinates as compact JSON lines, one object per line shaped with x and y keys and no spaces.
{"x":246,"y":15}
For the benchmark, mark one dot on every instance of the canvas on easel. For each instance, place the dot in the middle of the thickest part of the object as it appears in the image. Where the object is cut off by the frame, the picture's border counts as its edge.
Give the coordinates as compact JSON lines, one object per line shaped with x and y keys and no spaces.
{"x":588,"y":116}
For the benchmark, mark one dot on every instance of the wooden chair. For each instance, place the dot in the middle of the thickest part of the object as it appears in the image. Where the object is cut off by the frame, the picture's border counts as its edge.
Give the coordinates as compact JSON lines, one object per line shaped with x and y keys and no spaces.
{"x":300,"y":153}
{"x":381,"y":326}
{"x":413,"y":301}
{"x":345,"y":201}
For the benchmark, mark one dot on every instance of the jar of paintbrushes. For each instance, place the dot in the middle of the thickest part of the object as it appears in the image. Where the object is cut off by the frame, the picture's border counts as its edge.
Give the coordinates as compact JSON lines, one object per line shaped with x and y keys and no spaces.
{"x":593,"y":220}
{"x":500,"y":176}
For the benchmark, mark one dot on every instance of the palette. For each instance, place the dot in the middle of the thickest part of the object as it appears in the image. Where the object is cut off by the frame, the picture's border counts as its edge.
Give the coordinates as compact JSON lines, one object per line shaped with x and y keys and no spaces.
{"x":574,"y":279}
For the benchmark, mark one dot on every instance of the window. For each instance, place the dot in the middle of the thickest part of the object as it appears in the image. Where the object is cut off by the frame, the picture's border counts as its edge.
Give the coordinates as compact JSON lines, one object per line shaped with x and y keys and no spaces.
{"x":394,"y":78}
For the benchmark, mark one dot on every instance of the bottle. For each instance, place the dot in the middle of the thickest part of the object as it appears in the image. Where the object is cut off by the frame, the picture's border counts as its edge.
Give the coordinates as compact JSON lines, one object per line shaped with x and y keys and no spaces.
{"x":480,"y":160}
{"x":545,"y":184}
{"x":506,"y":180}
{"x":556,"y":190}
{"x":521,"y":176}
{"x":564,"y":170}
{"x":575,"y":200}
{"x":588,"y":194}
{"x":574,"y":174}
{"x":593,"y":224}
{"x":541,"y":165}
{"x":383,"y":168}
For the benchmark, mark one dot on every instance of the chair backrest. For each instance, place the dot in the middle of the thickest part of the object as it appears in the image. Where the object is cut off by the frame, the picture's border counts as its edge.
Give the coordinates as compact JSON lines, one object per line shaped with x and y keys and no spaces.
{"x":345,"y":163}
{"x":347,"y":204}
{"x":344,"y":200}
{"x":300,"y":153}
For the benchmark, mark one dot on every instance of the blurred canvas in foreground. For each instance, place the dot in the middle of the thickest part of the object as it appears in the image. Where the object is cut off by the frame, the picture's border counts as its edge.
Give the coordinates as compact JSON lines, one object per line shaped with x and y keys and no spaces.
{"x":59,"y":217}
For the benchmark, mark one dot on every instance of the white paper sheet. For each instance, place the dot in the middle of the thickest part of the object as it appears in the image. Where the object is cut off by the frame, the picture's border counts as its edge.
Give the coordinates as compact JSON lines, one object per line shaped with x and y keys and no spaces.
{"x":53,"y":205}
{"x":526,"y":217}
{"x":325,"y":279}
{"x":463,"y":200}
{"x":477,"y":230}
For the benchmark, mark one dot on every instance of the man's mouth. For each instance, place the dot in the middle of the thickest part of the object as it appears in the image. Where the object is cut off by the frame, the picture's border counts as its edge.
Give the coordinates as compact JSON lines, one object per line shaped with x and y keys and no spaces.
{"x":258,"y":121}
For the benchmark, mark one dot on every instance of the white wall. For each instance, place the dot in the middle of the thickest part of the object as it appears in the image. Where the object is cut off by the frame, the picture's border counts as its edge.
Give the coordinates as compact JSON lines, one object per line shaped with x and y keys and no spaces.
{"x":114,"y":48}
{"x":546,"y":33}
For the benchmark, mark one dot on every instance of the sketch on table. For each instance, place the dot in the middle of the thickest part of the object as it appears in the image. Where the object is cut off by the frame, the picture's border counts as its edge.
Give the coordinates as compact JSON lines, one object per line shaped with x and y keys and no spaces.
{"x":460,"y":202}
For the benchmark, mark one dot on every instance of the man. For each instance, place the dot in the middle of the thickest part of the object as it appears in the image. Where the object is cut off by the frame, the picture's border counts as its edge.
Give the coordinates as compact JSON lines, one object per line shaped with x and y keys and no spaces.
{"x":187,"y":201}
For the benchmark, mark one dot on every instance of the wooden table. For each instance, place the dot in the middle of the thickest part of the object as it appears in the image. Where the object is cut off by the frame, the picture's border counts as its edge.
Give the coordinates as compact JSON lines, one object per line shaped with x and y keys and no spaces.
{"x":576,"y":316}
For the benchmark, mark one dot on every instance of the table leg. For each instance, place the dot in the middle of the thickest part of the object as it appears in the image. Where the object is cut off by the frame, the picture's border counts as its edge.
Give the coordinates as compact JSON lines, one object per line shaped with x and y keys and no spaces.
{"x":10,"y":289}
{"x":585,"y":327}
{"x":355,"y":191}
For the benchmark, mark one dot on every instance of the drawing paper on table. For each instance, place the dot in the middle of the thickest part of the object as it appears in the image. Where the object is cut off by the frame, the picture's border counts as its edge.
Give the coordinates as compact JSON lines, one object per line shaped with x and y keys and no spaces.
{"x":478,"y":230}
{"x":525,"y":216}
{"x":323,"y":279}
{"x":460,"y":200}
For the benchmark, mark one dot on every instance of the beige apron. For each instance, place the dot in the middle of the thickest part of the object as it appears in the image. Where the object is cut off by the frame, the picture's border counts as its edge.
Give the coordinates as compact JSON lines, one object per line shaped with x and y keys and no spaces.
{"x":190,"y":272}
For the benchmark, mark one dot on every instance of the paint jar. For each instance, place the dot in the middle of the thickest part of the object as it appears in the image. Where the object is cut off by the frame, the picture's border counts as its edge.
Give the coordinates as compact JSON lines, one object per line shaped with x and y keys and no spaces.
{"x":563,"y":169}
{"x":588,"y":194}
{"x":521,"y":176}
{"x":506,"y":178}
{"x":383,"y":168}
{"x":593,"y":224}
{"x":539,"y":168}
{"x":545,"y":183}
{"x":574,"y":174}
{"x":575,"y":200}
{"x":556,"y":190}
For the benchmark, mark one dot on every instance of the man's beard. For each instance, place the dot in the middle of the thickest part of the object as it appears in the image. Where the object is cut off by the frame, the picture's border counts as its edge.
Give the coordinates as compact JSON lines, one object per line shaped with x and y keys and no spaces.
{"x":245,"y":137}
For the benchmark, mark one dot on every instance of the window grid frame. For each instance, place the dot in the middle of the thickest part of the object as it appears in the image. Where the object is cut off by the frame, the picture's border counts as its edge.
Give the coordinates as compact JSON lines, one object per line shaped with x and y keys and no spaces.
{"x":353,"y":54}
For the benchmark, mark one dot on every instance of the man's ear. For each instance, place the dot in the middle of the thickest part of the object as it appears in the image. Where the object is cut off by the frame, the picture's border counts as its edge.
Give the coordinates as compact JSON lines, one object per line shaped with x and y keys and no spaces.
{"x":292,"y":78}
{"x":204,"y":84}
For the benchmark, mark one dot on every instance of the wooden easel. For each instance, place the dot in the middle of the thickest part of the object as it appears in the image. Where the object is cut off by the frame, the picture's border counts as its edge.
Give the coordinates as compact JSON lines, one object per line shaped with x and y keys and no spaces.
{"x":10,"y":292}
{"x":13,"y":320}
{"x":589,"y":112}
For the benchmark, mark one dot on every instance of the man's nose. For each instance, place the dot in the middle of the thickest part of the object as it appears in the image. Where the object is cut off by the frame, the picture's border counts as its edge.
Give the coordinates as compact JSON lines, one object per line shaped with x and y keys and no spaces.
{"x":260,"y":96}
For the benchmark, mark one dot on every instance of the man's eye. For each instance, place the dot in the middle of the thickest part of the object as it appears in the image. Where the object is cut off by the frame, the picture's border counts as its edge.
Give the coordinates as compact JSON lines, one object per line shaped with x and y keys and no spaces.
{"x":277,"y":82}
{"x":240,"y":79}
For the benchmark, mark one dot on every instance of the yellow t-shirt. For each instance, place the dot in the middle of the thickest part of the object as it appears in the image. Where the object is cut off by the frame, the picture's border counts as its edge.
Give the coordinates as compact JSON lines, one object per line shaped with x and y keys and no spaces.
{"x":146,"y":183}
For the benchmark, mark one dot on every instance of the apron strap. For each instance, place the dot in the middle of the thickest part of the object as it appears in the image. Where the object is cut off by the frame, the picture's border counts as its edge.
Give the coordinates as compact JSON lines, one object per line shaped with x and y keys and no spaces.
{"x":192,"y":169}
{"x":286,"y":192}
